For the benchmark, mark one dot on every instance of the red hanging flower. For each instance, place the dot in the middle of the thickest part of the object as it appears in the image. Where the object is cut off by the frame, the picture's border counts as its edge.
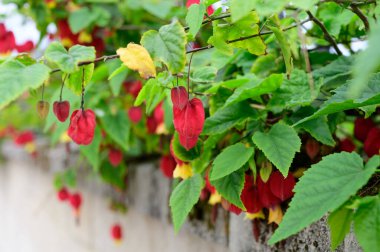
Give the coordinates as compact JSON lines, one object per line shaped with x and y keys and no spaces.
{"x":267,"y":198}
{"x":82,"y":126}
{"x":63,"y":194}
{"x":115,"y":157}
{"x":76,"y":202}
{"x":372,"y":143}
{"x":135,"y":114}
{"x":179,"y":97}
{"x":24,"y":137}
{"x":347,"y":145}
{"x":282,"y":187}
{"x":189,"y":122}
{"x":362,"y":128}
{"x":210,"y":9}
{"x":133,"y":87}
{"x":61,"y":110}
{"x":167,"y":165}
{"x":26,"y":47}
{"x":116,"y":232}
{"x":250,"y":196}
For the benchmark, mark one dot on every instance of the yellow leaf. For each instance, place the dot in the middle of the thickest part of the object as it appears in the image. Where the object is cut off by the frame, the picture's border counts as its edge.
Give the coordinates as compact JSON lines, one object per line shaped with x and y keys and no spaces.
{"x":137,"y":58}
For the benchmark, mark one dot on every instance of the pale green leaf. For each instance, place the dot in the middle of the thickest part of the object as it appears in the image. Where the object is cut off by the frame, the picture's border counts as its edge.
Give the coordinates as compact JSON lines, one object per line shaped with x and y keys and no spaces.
{"x":319,"y":129}
{"x":74,"y":80}
{"x":323,"y":188}
{"x":229,"y":160}
{"x":117,"y":127}
{"x":17,"y":78}
{"x":183,"y":198}
{"x":279,"y":145}
{"x":240,"y":9}
{"x":167,"y":45}
{"x":194,"y":17}
{"x":91,"y":151}
{"x":68,"y":61}
{"x":339,"y":223}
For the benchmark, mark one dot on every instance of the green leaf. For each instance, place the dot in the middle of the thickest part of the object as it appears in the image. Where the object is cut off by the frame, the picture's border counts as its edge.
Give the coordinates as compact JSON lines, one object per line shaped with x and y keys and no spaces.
{"x":113,"y":175}
{"x":68,"y":61}
{"x":255,"y":88}
{"x":304,"y":4}
{"x":117,"y":126}
{"x":339,"y":102}
{"x":247,"y":26}
{"x":324,"y":187}
{"x":80,"y":19}
{"x":194,"y":17}
{"x":229,"y":160}
{"x":228,"y":117}
{"x":204,"y":74}
{"x":16,"y":78}
{"x":231,"y":186}
{"x":340,"y":223}
{"x":284,"y":45}
{"x":294,"y":92}
{"x":367,"y":224}
{"x":118,"y":73}
{"x":183,"y":198}
{"x":240,"y":9}
{"x":152,"y":93}
{"x":182,"y":153}
{"x":167,"y":45}
{"x":319,"y":129}
{"x":74,"y":81}
{"x":91,"y":151}
{"x":279,"y":145}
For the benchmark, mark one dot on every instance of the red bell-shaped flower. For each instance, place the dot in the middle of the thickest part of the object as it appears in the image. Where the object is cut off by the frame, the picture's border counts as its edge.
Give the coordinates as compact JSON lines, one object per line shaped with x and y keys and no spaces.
{"x":61,"y":110}
{"x":116,"y":232}
{"x":250,"y":196}
{"x":267,"y":198}
{"x":282,"y":187}
{"x":82,"y":126}
{"x":372,"y":143}
{"x":63,"y":194}
{"x":362,"y":128}
{"x":76,"y":201}
{"x":189,"y":122}
{"x":346,"y":145}
{"x":135,"y":114}
{"x":179,"y":97}
{"x":115,"y":157}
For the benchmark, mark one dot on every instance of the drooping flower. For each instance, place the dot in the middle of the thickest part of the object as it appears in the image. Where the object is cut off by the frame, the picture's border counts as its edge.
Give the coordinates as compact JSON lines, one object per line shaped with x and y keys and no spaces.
{"x":167,"y":165}
{"x":362,"y":128}
{"x":76,"y":202}
{"x":267,"y":198}
{"x":82,"y":126}
{"x":63,"y":194}
{"x":347,"y":145}
{"x":282,"y":187}
{"x":115,"y":156}
{"x":24,"y":137}
{"x":61,"y":110}
{"x":117,"y":233}
{"x":189,"y":122}
{"x":372,"y":143}
{"x":135,"y":114}
{"x":179,"y":97}
{"x":312,"y":148}
{"x":250,"y":196}
{"x":133,"y":87}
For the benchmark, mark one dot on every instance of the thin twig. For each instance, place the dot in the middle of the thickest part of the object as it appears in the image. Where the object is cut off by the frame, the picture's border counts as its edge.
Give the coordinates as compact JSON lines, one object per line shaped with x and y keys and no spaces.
{"x":355,"y":9}
{"x":110,"y":57}
{"x":211,"y":19}
{"x":188,"y":76}
{"x":327,"y":35}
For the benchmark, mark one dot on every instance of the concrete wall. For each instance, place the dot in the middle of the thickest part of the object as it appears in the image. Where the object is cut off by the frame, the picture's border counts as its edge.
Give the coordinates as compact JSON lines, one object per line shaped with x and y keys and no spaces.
{"x":32,"y":219}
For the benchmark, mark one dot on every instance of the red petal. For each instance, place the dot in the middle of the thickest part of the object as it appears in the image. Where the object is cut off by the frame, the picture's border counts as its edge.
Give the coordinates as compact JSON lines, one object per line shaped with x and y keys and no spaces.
{"x":250,"y":196}
{"x":312,"y":148}
{"x":158,"y":114}
{"x":116,"y":232}
{"x":188,"y":142}
{"x":61,"y":110}
{"x":151,"y":124}
{"x":115,"y":157}
{"x":179,"y":97}
{"x":267,"y":198}
{"x":167,"y":165}
{"x":24,"y":137}
{"x":135,"y":114}
{"x":26,"y":47}
{"x":282,"y":187}
{"x":347,"y":145}
{"x":76,"y":200}
{"x":362,"y":128}
{"x":82,"y":126}
{"x":372,"y":143}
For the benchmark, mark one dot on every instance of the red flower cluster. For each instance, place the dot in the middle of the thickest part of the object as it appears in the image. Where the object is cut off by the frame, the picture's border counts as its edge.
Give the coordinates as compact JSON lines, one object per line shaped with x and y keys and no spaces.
{"x":366,"y":131}
{"x":75,"y":199}
{"x":8,"y":42}
{"x":188,"y":117}
{"x":257,"y":196}
{"x":82,"y":126}
{"x":69,"y":38}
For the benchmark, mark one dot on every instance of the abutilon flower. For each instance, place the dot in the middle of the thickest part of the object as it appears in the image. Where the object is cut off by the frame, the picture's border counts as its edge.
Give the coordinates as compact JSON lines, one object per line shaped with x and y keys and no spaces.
{"x":63,"y":194}
{"x":372,"y":143}
{"x":76,"y":202}
{"x":24,"y":137}
{"x":135,"y":114}
{"x":179,"y":97}
{"x":117,"y":233}
{"x":115,"y":156}
{"x":82,"y":126}
{"x":132,"y":87}
{"x":189,"y":122}
{"x":347,"y":145}
{"x":362,"y":128}
{"x":267,"y":198}
{"x":151,"y":124}
{"x":250,"y":196}
{"x":167,"y":165}
{"x":312,"y":148}
{"x":282,"y":187}
{"x":61,"y":110}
